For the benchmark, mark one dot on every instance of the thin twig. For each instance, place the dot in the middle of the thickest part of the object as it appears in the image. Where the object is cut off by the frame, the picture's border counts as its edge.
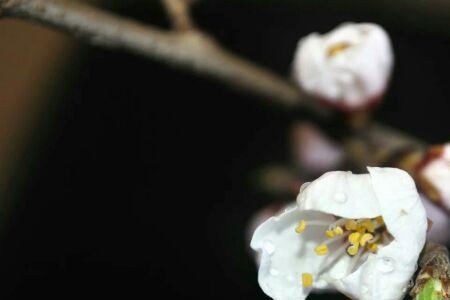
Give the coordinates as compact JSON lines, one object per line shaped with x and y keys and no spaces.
{"x":178,"y":11}
{"x":191,"y":50}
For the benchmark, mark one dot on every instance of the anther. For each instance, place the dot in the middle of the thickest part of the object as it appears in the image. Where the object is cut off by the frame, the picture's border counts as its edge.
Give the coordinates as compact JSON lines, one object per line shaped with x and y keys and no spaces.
{"x":307,"y":279}
{"x":354,"y":238}
{"x":353,"y":249}
{"x":379,"y":220}
{"x":361,"y":230}
{"x":338,"y":230}
{"x":337,"y":48}
{"x":321,"y":249}
{"x":351,"y":225}
{"x":330,"y":233}
{"x":369,"y":225}
{"x":301,"y":226}
{"x":372,"y":247}
{"x":365,"y":238}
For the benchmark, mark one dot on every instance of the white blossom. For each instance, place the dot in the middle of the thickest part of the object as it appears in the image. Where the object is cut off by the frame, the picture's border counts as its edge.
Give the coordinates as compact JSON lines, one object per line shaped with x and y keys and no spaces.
{"x":359,"y":234}
{"x":440,"y":222}
{"x":313,"y":151}
{"x":435,"y":175}
{"x":348,"y":67}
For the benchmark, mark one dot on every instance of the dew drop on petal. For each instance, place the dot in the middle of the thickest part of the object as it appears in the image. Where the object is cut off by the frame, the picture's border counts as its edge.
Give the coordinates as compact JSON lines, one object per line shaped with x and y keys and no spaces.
{"x":340,"y":197}
{"x":269,"y":247}
{"x":386,"y":264}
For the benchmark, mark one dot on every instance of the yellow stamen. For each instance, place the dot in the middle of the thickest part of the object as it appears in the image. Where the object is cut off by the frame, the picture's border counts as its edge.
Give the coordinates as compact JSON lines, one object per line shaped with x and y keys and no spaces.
{"x":351,"y":225}
{"x":361,"y":230}
{"x":372,"y":247}
{"x":329,"y":233}
{"x":307,"y":279}
{"x":337,"y":48}
{"x":321,"y":249}
{"x":338,"y":230}
{"x":301,"y":226}
{"x":354,"y":238}
{"x":379,"y":220}
{"x":365,"y":238}
{"x":353,"y":249}
{"x":369,"y":225}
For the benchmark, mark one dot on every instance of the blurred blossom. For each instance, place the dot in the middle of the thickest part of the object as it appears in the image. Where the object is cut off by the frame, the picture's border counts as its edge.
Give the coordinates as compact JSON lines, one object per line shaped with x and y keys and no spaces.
{"x":440,"y":229}
{"x":279,"y":180}
{"x":313,"y":152}
{"x":359,"y":234}
{"x":434,"y":175}
{"x":348,"y":68}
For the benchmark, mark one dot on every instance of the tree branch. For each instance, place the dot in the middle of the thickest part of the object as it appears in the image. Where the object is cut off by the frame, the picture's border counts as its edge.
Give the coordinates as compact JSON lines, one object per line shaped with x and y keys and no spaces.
{"x":190,"y":50}
{"x":194,"y":51}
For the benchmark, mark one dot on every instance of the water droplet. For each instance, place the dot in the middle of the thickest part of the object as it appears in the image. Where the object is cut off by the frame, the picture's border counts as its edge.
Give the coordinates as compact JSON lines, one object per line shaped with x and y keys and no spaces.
{"x":340,"y":197}
{"x":274,"y":272}
{"x":269,"y":247}
{"x":386,"y":264}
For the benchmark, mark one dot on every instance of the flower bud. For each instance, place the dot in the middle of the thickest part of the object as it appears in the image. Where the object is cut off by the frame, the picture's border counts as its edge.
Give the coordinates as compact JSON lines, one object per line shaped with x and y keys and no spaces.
{"x":348,"y":68}
{"x":434,"y":175}
{"x":440,"y":222}
{"x":314,"y":152}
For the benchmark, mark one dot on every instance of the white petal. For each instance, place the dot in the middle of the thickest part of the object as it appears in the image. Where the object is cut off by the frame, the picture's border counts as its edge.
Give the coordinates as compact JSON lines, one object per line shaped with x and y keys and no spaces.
{"x":342,"y":194}
{"x":285,"y":255}
{"x":401,"y":208}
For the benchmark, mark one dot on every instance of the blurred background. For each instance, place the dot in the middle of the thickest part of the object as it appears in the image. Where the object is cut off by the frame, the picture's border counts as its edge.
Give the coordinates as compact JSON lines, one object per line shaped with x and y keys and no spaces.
{"x":123,"y":177}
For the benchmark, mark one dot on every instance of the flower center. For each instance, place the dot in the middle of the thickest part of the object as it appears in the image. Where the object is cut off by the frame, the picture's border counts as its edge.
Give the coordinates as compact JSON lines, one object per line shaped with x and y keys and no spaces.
{"x":357,"y":238}
{"x":337,"y":48}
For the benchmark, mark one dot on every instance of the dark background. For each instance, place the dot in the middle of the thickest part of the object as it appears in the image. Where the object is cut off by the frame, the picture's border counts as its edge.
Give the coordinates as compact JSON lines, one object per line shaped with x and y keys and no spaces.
{"x":137,"y":181}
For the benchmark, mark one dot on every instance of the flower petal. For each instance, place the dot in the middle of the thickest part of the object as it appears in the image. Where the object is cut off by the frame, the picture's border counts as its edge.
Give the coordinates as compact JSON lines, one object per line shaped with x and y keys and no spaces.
{"x":401,"y":208}
{"x":342,"y":194}
{"x":285,"y":255}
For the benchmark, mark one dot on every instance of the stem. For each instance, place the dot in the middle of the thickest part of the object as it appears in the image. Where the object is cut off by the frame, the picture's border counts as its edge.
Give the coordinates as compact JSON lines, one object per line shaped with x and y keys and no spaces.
{"x":191,"y":50}
{"x":431,"y":291}
{"x":432,"y":281}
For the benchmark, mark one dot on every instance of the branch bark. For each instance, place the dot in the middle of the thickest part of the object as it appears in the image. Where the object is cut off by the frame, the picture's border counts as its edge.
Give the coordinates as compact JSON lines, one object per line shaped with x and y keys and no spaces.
{"x":191,"y":50}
